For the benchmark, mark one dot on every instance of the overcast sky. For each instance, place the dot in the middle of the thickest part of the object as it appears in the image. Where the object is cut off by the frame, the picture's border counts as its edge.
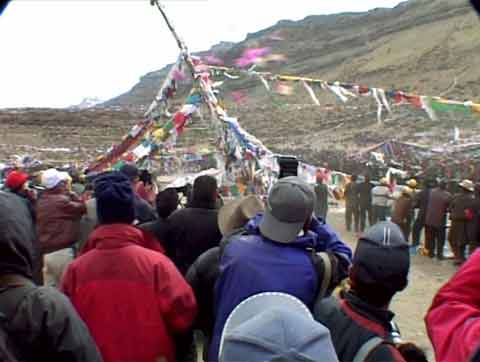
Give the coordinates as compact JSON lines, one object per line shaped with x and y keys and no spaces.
{"x":54,"y":53}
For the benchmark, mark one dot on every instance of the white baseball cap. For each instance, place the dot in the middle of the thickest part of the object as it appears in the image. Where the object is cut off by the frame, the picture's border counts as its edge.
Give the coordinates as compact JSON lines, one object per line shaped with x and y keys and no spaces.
{"x":52,"y":177}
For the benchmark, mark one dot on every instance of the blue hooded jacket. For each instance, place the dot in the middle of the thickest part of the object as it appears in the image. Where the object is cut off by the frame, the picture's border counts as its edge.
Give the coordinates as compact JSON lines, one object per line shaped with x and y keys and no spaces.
{"x":253,"y":264}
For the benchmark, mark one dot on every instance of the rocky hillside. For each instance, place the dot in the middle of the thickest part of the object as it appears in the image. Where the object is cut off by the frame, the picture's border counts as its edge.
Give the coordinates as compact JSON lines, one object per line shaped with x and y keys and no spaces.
{"x":428,"y":47}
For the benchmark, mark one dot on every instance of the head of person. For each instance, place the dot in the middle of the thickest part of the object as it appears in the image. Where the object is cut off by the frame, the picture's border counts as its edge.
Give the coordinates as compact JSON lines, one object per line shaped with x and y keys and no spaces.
{"x":367,"y":179}
{"x":384,"y":181}
{"x":235,"y":214}
{"x":265,"y":327}
{"x":380,"y":264}
{"x":52,"y":179}
{"x":145,"y":177}
{"x":204,"y":192}
{"x":166,"y":202}
{"x":319,"y":178}
{"x":354,"y":178}
{"x":16,"y":181}
{"x":412,"y":183}
{"x":289,"y":209}
{"x":467,"y":186}
{"x":442,"y":184}
{"x":17,"y":237}
{"x":130,"y":170}
{"x":115,"y":198}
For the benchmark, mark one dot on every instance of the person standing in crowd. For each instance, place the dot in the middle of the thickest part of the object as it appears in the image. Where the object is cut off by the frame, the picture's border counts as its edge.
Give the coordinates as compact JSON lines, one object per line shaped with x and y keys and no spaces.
{"x":134,"y":301}
{"x":352,"y":204}
{"x":436,"y":220}
{"x":402,"y":210}
{"x":421,"y":201}
{"x":146,"y":188}
{"x":453,"y":320}
{"x":58,"y":213}
{"x":464,"y":215}
{"x":203,"y":273}
{"x":166,"y":203}
{"x":276,"y":253}
{"x":144,"y":212}
{"x":359,"y":320}
{"x":365,"y":201}
{"x":412,"y":184}
{"x":194,"y":230}
{"x":321,"y":193}
{"x":40,"y":322}
{"x":265,"y":327}
{"x":381,"y":197}
{"x":17,"y":183}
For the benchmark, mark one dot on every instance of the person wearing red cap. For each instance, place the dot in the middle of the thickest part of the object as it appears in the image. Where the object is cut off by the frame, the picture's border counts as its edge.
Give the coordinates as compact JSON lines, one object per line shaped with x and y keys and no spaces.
{"x":17,"y":183}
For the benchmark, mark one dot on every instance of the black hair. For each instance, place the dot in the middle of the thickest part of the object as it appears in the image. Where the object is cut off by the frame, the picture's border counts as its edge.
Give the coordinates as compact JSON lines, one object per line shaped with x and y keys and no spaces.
{"x":204,"y":193}
{"x":166,"y":202}
{"x":411,"y":352}
{"x":145,"y":177}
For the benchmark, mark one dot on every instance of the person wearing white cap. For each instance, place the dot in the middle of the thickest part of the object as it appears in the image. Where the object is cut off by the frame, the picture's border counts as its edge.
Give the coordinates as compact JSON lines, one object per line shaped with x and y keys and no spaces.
{"x":286,"y":249}
{"x":58,"y":213}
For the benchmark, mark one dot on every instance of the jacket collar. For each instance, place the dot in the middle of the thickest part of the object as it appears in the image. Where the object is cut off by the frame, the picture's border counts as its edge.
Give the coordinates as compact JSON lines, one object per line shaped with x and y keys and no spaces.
{"x":114,"y":236}
{"x":375,"y":314}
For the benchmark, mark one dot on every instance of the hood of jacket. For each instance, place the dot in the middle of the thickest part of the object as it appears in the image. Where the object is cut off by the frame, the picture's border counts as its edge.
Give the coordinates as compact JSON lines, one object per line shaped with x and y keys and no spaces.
{"x":306,"y":240}
{"x":17,"y":236}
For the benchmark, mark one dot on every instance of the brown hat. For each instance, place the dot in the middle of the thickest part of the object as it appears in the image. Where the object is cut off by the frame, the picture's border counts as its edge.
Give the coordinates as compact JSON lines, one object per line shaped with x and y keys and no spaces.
{"x":236,"y":213}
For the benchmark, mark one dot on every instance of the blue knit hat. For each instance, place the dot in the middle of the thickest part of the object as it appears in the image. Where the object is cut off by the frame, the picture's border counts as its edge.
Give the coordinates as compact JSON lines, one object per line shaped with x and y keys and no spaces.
{"x":115,"y":198}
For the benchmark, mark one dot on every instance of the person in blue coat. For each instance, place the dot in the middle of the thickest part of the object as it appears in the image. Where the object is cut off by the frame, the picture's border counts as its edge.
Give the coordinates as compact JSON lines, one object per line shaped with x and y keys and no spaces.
{"x":275,"y":252}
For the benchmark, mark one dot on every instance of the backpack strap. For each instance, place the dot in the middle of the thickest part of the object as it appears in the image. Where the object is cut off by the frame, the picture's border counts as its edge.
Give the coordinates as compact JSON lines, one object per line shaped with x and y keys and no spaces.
{"x":367,"y":348}
{"x":323,"y":267}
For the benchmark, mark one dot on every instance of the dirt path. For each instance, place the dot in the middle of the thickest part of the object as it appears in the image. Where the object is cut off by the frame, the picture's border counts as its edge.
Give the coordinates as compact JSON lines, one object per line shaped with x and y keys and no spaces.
{"x":410,"y":306}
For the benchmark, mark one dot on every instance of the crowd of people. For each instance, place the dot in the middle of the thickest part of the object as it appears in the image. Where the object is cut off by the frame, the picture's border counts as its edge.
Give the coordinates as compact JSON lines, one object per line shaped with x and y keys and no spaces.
{"x":147,"y":280}
{"x":444,"y":210}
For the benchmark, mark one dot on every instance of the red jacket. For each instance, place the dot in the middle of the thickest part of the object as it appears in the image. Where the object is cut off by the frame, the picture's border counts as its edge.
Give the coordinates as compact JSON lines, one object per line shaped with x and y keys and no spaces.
{"x":132,"y":299}
{"x":453,"y":321}
{"x":58,"y":219}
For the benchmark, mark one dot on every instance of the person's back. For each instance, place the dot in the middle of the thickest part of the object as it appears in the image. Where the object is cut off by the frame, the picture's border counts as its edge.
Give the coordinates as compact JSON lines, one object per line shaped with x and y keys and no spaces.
{"x":275,"y":255}
{"x":365,"y":193}
{"x":361,"y":317}
{"x":133,"y":299}
{"x":166,"y":203}
{"x":40,"y":322}
{"x":438,"y":204}
{"x":351,"y":193}
{"x":194,"y":230}
{"x":58,"y":214}
{"x":321,"y":204}
{"x":381,"y":196}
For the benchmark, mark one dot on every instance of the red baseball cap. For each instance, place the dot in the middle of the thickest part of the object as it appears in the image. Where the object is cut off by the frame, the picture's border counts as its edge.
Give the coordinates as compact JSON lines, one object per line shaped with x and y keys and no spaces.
{"x":16,"y":179}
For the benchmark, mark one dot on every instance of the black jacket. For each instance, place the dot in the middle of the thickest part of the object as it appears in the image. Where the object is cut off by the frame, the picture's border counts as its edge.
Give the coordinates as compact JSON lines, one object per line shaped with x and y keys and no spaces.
{"x":143,"y":211}
{"x":160,"y":228}
{"x":42,"y":323}
{"x":45,"y":327}
{"x":352,"y":323}
{"x":193,"y":231}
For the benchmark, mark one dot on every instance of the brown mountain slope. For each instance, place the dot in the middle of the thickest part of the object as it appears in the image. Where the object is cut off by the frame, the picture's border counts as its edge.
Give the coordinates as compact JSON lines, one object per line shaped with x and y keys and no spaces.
{"x":429,"y":47}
